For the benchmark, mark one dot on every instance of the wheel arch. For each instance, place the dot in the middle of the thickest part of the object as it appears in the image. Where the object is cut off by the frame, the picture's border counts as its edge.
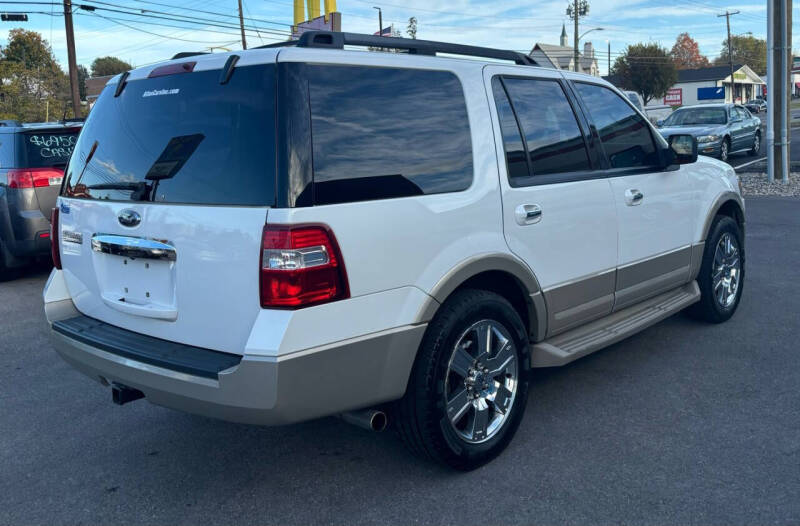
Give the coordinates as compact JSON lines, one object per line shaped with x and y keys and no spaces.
{"x":728,"y":204}
{"x":504,"y":275}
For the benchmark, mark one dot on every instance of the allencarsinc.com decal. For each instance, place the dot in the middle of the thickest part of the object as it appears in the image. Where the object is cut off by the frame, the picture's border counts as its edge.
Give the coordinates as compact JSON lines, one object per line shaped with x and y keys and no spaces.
{"x":155,"y":92}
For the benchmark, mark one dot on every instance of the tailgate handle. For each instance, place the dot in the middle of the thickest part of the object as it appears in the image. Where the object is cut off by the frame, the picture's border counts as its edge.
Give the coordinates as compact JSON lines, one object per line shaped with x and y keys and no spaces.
{"x":133,"y":247}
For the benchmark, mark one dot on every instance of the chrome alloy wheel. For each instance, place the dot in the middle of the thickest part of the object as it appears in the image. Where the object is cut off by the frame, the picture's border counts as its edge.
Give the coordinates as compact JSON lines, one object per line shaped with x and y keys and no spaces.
{"x":756,"y":143}
{"x":481,"y":381}
{"x":727,"y":270}
{"x":723,"y":151}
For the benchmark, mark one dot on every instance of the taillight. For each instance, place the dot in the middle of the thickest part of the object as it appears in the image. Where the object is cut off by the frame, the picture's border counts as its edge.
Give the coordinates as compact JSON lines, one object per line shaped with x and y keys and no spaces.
{"x":34,"y":177}
{"x":54,"y":249}
{"x":301,"y":265}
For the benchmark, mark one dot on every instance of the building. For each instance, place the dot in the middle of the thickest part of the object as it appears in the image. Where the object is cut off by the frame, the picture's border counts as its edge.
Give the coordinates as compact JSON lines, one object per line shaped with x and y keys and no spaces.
{"x":94,"y":86}
{"x":712,"y":84}
{"x":563,"y":55}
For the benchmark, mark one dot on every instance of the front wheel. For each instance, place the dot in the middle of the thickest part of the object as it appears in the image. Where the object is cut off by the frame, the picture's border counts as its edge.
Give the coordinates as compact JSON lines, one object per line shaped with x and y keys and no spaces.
{"x":721,"y":276}
{"x":756,"y":145}
{"x":468,"y":387}
{"x":724,"y":150}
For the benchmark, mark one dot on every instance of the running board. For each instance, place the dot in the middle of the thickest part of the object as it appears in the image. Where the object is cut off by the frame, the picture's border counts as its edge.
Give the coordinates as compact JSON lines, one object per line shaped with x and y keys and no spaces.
{"x":571,"y":345}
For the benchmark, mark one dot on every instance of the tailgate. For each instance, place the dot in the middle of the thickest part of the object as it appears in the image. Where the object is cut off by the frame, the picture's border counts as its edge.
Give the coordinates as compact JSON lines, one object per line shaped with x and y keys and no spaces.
{"x":45,"y":151}
{"x":164,"y":205}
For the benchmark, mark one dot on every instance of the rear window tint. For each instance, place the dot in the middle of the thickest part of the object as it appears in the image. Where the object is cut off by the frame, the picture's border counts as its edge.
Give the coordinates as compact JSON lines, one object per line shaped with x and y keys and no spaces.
{"x":48,"y":148}
{"x":181,"y":139}
{"x":379,"y":133}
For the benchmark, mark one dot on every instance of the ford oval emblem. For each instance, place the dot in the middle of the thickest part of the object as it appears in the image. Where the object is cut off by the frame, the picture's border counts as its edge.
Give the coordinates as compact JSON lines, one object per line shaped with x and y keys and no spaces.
{"x":129,"y":218}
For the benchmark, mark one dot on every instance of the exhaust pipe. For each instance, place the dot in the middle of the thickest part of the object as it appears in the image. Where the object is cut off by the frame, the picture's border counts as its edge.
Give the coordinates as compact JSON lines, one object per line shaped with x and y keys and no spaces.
{"x":370,"y":419}
{"x":122,"y":394}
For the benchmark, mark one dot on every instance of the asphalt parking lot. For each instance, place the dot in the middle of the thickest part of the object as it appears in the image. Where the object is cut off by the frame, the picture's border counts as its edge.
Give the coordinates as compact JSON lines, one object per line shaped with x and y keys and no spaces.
{"x":685,"y":423}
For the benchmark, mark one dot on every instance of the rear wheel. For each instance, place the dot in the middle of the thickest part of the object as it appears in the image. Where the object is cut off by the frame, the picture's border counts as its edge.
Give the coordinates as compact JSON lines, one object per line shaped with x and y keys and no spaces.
{"x":468,"y":388}
{"x":721,"y":276}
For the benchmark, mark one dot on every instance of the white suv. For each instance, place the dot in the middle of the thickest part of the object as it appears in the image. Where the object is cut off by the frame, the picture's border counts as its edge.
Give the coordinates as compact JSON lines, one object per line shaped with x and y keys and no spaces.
{"x":297,"y":231}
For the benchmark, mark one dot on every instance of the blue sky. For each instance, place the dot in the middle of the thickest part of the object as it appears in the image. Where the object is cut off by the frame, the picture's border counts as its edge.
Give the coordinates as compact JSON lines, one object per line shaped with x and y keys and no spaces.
{"x":511,"y":24}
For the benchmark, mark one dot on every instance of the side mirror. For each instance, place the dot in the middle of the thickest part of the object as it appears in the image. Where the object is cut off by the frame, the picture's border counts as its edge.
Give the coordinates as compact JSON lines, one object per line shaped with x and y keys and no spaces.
{"x":660,"y":122}
{"x":683,"y":148}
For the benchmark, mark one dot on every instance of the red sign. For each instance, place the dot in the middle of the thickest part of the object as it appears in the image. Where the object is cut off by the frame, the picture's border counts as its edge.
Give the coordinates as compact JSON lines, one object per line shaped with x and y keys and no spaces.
{"x":674,"y":97}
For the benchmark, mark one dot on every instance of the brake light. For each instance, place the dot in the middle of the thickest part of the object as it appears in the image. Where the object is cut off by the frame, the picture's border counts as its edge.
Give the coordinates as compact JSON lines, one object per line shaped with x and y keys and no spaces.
{"x":54,"y":249}
{"x":301,"y":265}
{"x":34,"y":177}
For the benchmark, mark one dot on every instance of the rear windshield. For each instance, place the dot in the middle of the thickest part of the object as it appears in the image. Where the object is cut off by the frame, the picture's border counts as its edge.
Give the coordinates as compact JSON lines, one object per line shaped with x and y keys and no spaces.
{"x":692,"y":116}
{"x":45,"y":148}
{"x":182,"y":138}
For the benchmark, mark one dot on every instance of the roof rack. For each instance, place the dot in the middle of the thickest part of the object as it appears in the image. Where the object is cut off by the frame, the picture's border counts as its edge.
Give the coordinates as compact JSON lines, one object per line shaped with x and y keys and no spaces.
{"x":337,"y":40}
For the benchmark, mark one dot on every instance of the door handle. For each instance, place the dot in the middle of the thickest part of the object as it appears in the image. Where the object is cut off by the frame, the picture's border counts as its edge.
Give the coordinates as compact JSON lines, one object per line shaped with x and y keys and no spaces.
{"x":528,"y":214}
{"x":633,"y":197}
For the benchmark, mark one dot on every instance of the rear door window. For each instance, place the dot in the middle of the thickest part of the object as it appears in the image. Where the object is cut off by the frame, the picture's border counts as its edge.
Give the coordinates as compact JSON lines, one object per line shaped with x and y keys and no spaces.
{"x":551,"y":135}
{"x":624,"y":133}
{"x":182,"y":138}
{"x":380,"y":133}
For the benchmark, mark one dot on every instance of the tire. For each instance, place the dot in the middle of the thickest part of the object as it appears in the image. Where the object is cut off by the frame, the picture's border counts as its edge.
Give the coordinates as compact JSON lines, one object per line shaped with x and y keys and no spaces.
{"x":421,"y":416}
{"x":711,"y":307}
{"x":756,"y":145}
{"x":724,"y":150}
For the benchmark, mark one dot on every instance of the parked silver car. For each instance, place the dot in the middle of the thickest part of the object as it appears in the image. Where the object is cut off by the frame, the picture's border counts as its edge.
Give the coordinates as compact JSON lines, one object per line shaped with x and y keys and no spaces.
{"x":720,"y":129}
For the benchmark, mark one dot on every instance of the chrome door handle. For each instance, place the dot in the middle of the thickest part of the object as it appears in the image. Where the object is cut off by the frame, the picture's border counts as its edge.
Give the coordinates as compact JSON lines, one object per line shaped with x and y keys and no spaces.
{"x":633,"y":197}
{"x":528,"y":214}
{"x":133,"y":247}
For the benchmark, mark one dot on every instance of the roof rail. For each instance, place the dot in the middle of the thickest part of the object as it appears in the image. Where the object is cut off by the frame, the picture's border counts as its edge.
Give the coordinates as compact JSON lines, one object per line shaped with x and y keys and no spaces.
{"x":337,"y":40}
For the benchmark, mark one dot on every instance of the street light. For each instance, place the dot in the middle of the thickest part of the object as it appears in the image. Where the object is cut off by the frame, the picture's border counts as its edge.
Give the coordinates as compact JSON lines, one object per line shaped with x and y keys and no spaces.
{"x":578,"y":41}
{"x":380,"y":21}
{"x":589,"y":31}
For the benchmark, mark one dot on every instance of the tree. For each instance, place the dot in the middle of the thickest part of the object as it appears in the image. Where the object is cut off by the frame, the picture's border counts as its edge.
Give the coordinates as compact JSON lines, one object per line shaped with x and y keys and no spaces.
{"x":411,"y":30}
{"x":686,"y":53}
{"x":29,"y":49}
{"x":747,"y":49}
{"x":83,"y":74}
{"x":32,"y":84}
{"x":103,"y":66}
{"x":646,"y":69}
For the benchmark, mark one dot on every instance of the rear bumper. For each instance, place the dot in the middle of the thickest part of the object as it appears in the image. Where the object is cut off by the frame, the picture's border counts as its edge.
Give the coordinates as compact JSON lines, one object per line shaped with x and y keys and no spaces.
{"x":20,"y":229}
{"x":351,"y":374}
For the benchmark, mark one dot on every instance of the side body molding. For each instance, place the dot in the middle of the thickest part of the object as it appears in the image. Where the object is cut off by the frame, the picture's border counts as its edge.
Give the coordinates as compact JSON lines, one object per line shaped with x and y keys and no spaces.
{"x":497,"y":262}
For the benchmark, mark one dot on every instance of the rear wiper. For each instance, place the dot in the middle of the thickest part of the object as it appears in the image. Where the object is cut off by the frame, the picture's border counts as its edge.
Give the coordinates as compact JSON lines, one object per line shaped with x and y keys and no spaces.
{"x":86,"y":163}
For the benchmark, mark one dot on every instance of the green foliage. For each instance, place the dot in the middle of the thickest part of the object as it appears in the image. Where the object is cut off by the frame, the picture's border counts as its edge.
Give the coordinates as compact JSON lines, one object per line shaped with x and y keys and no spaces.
{"x":748,"y":50}
{"x":83,"y":74}
{"x":647,"y":69}
{"x":32,"y":84}
{"x":411,"y":30}
{"x":103,"y":66}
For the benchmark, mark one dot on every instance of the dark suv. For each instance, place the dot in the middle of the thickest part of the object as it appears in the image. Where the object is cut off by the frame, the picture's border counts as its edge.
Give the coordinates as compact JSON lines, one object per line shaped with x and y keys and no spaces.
{"x":32,"y":161}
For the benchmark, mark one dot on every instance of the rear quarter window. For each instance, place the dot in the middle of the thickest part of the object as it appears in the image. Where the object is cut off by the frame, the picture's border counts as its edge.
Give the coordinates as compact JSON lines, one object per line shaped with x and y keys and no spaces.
{"x":380,"y":133}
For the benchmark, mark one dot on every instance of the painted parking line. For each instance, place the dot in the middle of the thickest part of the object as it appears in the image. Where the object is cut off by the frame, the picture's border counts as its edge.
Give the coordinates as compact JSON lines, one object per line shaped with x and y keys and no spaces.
{"x":748,"y":163}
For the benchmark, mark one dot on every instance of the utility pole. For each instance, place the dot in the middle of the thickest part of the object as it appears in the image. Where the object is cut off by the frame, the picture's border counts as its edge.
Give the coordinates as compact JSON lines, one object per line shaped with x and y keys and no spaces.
{"x":779,"y":24}
{"x":575,"y":10}
{"x":241,"y":26}
{"x":71,"y":61}
{"x":380,"y":21}
{"x":727,"y":16}
{"x":609,"y":56}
